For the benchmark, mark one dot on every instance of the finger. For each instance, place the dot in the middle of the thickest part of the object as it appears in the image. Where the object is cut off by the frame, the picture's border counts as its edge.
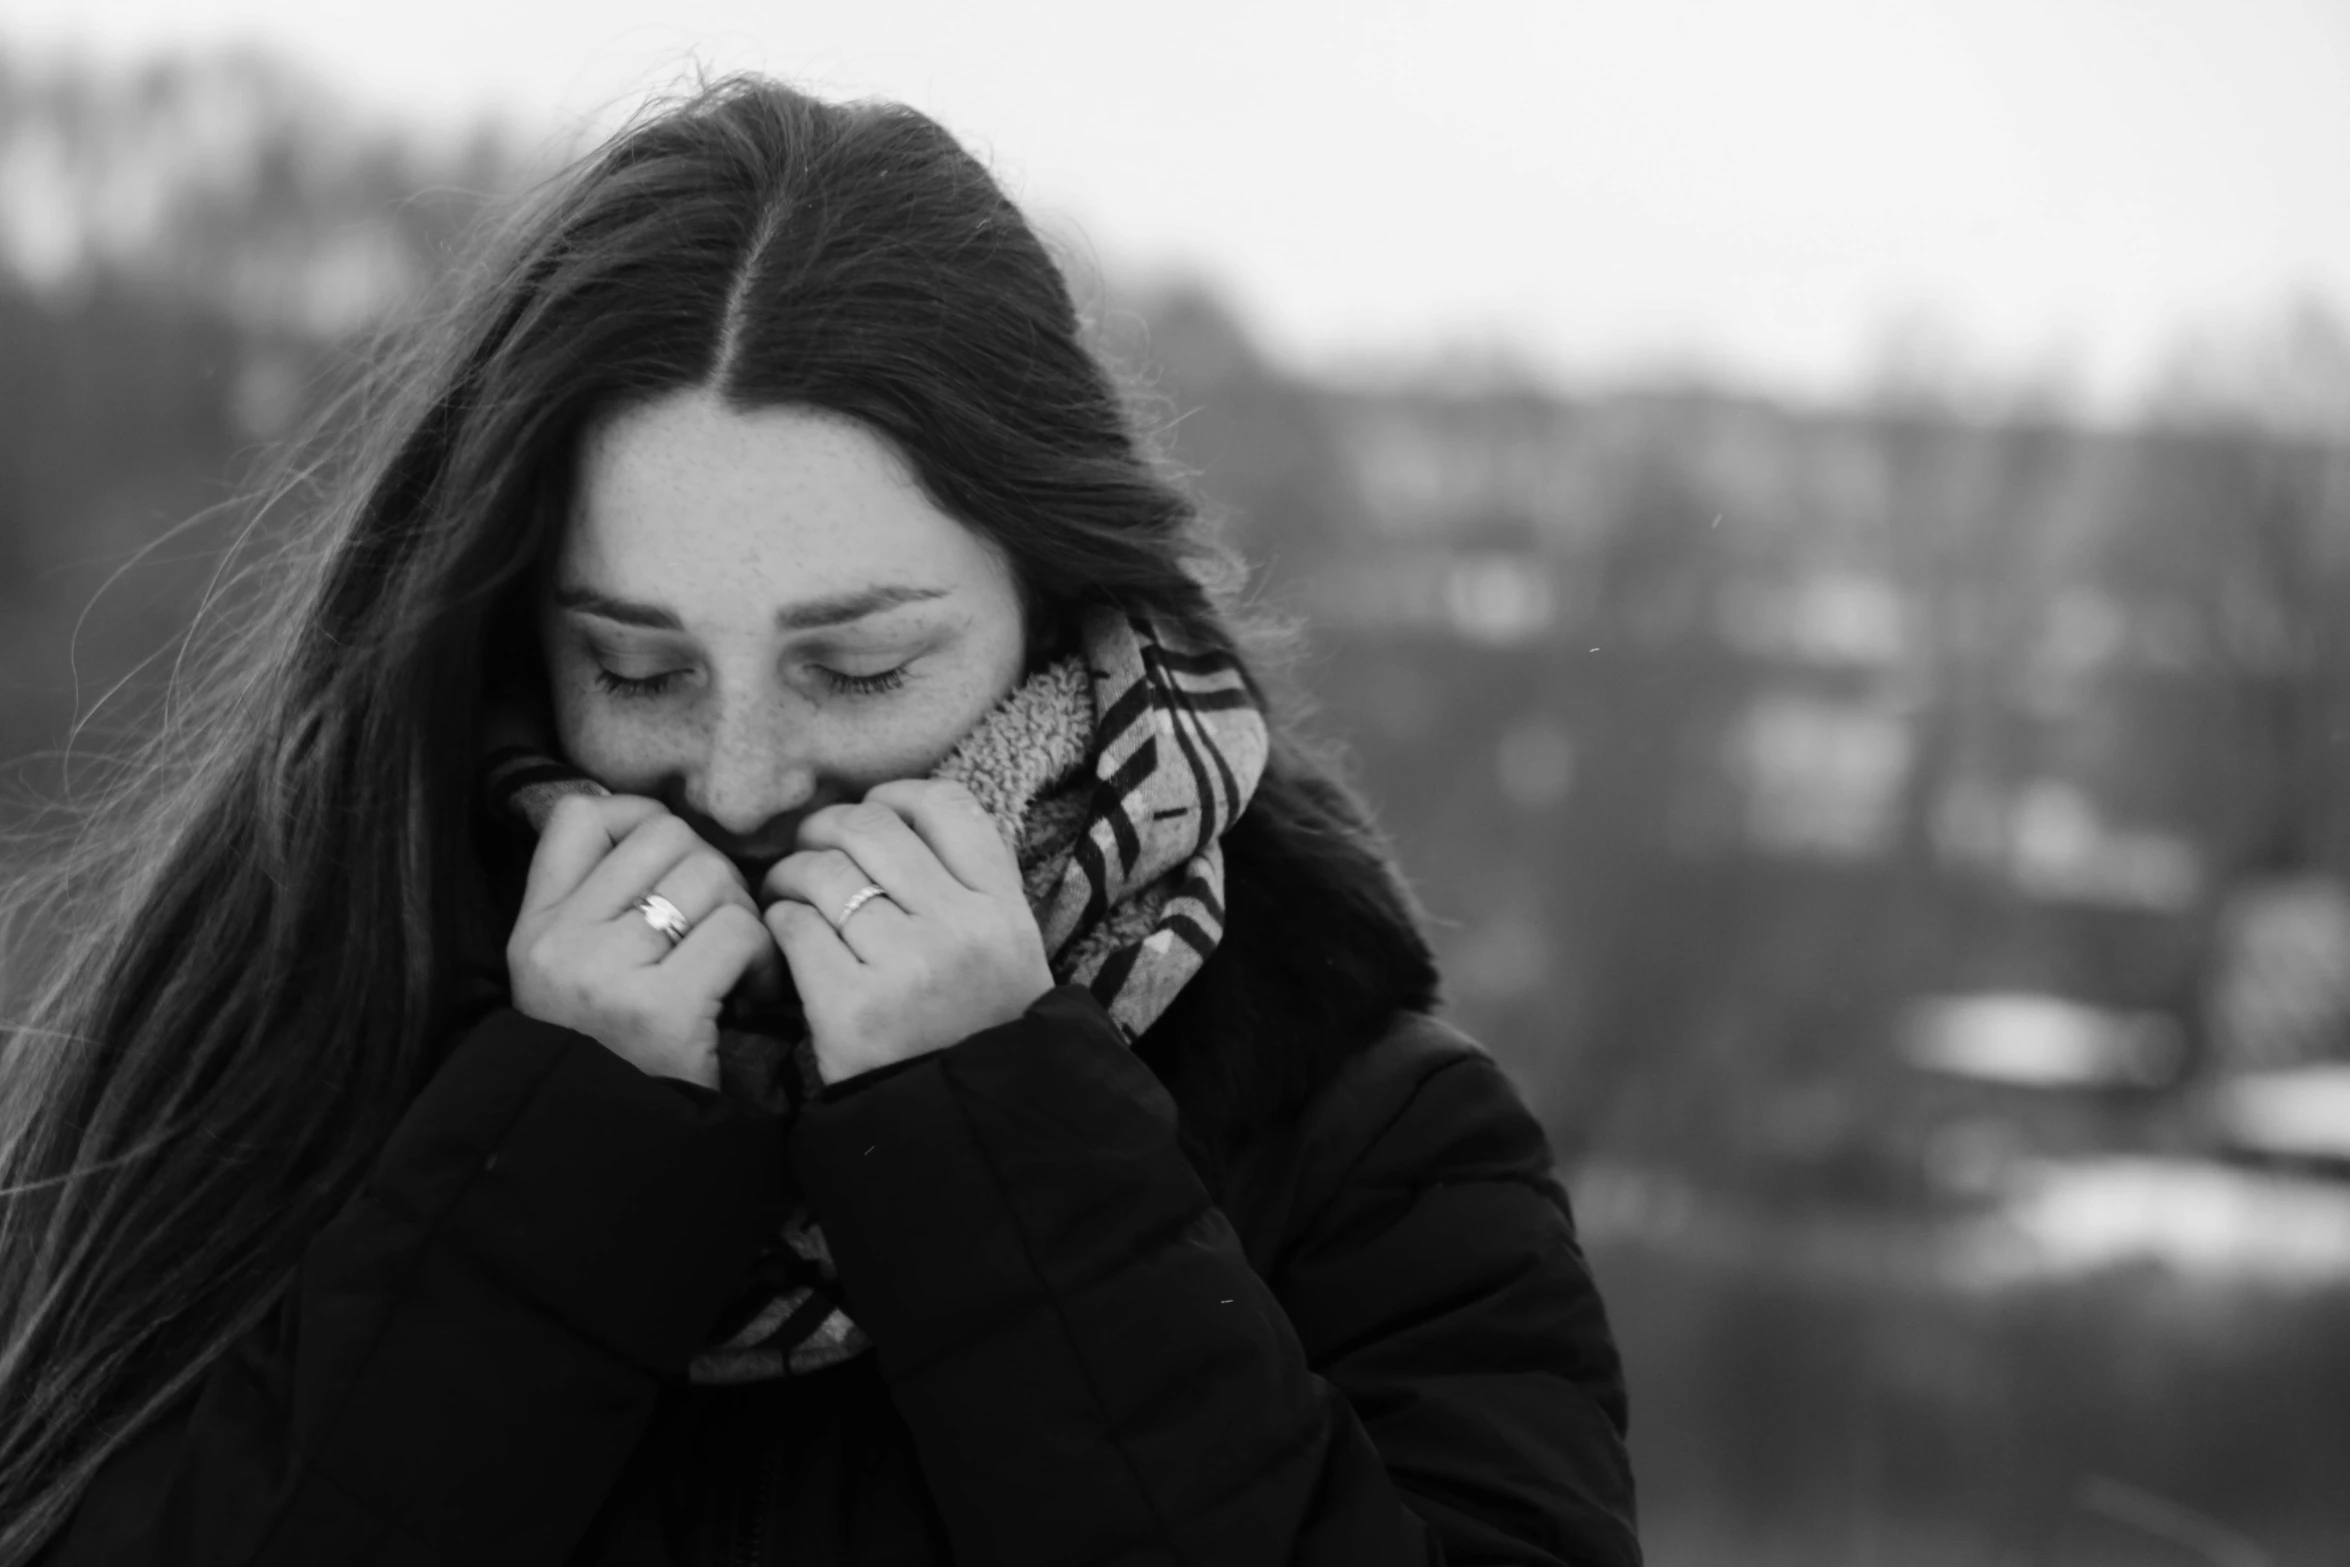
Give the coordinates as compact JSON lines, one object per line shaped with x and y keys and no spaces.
{"x":822,"y":878}
{"x":957,"y":830}
{"x":890,"y":851}
{"x":636,"y":865}
{"x":827,"y":880}
{"x":700,"y":884}
{"x":810,"y":945}
{"x":765,"y":976}
{"x":717,"y":954}
{"x":696,"y":887}
{"x":580,"y":833}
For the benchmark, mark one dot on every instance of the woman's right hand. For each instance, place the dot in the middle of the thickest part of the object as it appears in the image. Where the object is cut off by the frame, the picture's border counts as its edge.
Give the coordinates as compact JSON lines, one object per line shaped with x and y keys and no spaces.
{"x":583,"y":956}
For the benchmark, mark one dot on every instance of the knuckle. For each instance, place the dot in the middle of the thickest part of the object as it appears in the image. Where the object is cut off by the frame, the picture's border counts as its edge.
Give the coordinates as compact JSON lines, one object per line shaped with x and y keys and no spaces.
{"x":732,"y":921}
{"x":684,"y":882}
{"x":539,"y":952}
{"x":706,"y":876}
{"x":716,"y":862}
{"x":616,"y":812}
{"x":575,"y":814}
{"x":868,"y":816}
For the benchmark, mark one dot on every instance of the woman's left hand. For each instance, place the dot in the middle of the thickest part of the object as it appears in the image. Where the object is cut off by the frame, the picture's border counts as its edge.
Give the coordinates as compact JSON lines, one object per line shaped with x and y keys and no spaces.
{"x":948,"y":948}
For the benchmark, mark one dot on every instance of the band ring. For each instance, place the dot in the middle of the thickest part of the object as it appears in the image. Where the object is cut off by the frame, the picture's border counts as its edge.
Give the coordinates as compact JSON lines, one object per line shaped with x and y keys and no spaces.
{"x":664,"y":916}
{"x":857,"y":900}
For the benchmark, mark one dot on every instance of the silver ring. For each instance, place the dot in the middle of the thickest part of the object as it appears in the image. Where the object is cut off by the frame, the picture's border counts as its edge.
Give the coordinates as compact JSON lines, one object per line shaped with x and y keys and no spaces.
{"x":664,"y":916}
{"x":857,"y":900}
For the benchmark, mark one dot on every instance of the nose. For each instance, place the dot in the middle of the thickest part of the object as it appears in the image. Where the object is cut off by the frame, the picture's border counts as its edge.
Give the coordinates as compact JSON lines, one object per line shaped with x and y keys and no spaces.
{"x":758,"y":766}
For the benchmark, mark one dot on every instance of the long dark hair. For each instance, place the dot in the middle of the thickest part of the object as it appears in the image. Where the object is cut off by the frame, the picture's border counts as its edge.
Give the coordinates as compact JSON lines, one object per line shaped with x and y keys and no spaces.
{"x":255,"y":971}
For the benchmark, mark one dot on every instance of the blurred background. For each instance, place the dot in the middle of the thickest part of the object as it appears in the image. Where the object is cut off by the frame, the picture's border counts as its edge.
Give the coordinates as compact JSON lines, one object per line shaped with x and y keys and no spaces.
{"x":1826,"y":528}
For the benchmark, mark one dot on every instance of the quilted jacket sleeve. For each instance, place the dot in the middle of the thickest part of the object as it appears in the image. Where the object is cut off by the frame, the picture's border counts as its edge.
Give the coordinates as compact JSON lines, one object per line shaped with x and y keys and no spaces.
{"x":1411,"y":1366}
{"x":472,"y":1348}
{"x":1425,"y":1252}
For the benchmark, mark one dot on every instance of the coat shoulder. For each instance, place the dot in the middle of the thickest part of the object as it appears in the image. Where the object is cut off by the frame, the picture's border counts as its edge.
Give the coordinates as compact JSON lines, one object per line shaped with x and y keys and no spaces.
{"x":1321,"y":954}
{"x":1422,"y":1105}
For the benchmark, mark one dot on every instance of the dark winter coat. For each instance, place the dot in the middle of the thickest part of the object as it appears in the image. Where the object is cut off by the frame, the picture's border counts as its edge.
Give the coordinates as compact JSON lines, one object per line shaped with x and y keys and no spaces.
{"x":1292,"y":1282}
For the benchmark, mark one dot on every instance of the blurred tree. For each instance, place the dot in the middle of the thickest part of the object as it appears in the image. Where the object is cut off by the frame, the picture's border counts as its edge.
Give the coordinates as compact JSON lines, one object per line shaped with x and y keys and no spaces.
{"x":187,"y":252}
{"x":236,"y":185}
{"x":1260,"y":444}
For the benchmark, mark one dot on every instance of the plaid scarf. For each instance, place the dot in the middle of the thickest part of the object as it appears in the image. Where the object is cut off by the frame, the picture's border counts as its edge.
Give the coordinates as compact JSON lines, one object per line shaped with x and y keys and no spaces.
{"x":1112,"y":773}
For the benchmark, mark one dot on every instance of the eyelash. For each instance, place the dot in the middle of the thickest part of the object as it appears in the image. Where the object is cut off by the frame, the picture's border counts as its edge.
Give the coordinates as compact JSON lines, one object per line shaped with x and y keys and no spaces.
{"x":625,"y":686}
{"x":864,"y":685}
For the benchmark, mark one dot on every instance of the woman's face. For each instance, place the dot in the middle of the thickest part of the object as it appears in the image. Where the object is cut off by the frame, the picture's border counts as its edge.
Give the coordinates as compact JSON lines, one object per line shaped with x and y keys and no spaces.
{"x":755,"y":614}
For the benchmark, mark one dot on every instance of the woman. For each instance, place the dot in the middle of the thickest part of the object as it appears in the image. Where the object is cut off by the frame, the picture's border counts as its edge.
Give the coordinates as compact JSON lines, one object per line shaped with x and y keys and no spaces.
{"x":738,"y":975}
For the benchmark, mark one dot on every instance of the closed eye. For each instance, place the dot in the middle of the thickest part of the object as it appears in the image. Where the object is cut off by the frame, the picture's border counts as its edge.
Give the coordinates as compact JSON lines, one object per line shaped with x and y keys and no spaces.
{"x":629,"y":687}
{"x":625,"y":686}
{"x":864,"y":685}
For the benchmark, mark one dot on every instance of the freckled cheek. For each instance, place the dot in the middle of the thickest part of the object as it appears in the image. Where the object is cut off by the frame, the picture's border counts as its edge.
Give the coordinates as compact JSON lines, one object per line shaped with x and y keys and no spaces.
{"x":909,"y":743}
{"x":856,"y":761}
{"x":624,"y":750}
{"x":629,"y":757}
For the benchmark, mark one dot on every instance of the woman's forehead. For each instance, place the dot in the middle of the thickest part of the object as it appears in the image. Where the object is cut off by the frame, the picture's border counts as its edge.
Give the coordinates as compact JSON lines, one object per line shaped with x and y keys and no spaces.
{"x":688,"y":497}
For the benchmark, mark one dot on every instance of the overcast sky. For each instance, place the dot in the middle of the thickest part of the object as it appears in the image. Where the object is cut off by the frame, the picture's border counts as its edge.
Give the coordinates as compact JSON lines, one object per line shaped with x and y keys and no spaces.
{"x":2065,"y":186}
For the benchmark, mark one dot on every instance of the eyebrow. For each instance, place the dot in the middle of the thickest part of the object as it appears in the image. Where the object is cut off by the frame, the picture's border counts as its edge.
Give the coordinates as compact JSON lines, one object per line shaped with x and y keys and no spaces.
{"x":835,"y":609}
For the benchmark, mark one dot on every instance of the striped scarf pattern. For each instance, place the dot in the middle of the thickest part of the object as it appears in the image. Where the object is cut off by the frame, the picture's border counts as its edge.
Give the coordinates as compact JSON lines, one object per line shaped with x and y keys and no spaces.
{"x":1113,"y":773}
